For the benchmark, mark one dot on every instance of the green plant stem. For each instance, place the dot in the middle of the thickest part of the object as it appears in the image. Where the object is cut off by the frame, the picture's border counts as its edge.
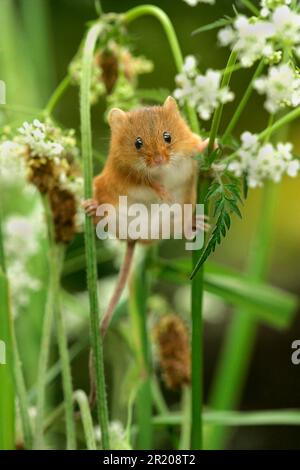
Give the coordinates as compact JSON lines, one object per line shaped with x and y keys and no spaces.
{"x":239,"y":342}
{"x":86,"y":418}
{"x":57,"y":95}
{"x":288,"y":417}
{"x":90,"y":245}
{"x":289,"y":117}
{"x":185,"y":432}
{"x":139,"y":289}
{"x":197,"y":338}
{"x":162,"y":17}
{"x":45,"y":341}
{"x":7,"y":394}
{"x":218,"y":113}
{"x":38,"y":43}
{"x":56,"y":267}
{"x":21,"y":391}
{"x":244,"y":101}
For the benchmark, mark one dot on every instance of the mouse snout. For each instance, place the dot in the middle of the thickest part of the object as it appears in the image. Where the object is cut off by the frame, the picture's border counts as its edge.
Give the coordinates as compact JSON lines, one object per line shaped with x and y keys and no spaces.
{"x":159,"y":159}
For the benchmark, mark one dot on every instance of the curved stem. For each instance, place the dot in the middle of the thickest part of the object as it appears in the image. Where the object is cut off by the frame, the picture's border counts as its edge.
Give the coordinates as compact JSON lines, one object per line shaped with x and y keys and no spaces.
{"x":91,"y":254}
{"x":56,"y":96}
{"x":291,"y":116}
{"x":86,"y":419}
{"x":168,"y":28}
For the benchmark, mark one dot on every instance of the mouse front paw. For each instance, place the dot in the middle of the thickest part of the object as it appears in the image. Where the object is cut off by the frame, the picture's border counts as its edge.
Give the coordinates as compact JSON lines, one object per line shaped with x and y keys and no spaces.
{"x":90,"y":207}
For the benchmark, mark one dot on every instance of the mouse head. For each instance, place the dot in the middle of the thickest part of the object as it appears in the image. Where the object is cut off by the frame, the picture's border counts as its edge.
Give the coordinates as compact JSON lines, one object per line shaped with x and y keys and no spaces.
{"x":148,"y":138}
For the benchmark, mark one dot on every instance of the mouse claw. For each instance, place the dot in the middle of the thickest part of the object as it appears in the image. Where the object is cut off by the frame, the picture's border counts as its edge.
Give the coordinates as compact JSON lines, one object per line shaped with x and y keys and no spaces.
{"x":200,"y":223}
{"x":90,"y":207}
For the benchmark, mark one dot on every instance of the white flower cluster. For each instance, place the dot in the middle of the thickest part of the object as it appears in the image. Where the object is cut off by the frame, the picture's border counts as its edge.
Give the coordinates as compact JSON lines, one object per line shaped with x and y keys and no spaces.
{"x":255,"y":38}
{"x":268,"y":5}
{"x":281,"y":86}
{"x":201,"y":91}
{"x":45,"y":140}
{"x":21,"y":240}
{"x":263,"y":161}
{"x":193,"y":3}
{"x":12,"y":163}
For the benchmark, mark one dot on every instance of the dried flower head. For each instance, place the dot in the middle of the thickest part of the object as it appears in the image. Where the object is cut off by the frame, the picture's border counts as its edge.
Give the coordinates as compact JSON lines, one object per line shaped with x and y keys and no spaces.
{"x":171,"y":337}
{"x":111,"y":61}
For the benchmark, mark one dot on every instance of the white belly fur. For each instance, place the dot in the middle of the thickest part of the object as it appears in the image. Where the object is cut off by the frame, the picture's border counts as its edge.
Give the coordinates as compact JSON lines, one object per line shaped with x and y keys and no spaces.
{"x":175,"y":178}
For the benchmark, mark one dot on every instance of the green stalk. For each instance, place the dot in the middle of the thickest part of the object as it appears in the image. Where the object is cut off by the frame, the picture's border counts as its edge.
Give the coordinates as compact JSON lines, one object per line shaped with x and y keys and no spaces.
{"x":7,"y":394}
{"x":91,"y":254}
{"x":218,"y":113}
{"x":56,"y":265}
{"x":185,"y":431}
{"x":243,"y":102}
{"x":197,"y":338}
{"x":46,"y":339}
{"x":139,"y":289}
{"x":38,"y":43}
{"x":21,"y":391}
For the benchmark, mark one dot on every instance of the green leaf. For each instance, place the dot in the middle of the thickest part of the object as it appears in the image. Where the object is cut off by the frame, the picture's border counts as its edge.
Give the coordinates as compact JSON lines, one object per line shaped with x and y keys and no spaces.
{"x":269,"y":304}
{"x":228,"y":196}
{"x":214,"y":25}
{"x":288,"y":417}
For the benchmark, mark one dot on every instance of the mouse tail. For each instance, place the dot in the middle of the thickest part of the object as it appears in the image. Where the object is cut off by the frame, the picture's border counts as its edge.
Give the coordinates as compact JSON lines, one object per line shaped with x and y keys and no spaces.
{"x":121,"y":282}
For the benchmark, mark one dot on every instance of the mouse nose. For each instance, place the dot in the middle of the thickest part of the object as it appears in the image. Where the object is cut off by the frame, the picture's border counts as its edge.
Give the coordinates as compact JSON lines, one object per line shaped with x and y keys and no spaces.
{"x":158,"y":159}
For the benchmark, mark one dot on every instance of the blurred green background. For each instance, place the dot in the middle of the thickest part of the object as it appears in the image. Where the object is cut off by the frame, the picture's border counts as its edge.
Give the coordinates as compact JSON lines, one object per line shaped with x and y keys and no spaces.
{"x":273,"y":382}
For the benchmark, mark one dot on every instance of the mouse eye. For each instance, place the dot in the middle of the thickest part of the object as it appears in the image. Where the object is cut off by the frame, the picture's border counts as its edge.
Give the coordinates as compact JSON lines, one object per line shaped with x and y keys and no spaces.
{"x":139,"y":142}
{"x":167,"y":137}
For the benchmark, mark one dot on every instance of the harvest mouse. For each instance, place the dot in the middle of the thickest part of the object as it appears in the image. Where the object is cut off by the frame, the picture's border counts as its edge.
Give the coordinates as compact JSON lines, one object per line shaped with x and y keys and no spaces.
{"x":150,"y":161}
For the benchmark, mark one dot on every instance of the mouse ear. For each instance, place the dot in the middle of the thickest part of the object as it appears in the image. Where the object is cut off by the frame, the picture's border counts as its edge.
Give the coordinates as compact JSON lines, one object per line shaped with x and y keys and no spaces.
{"x":115,"y":116}
{"x":171,"y":103}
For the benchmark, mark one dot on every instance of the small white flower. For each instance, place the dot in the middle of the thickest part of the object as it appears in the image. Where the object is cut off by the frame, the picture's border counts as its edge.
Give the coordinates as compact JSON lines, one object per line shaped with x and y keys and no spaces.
{"x":249,"y":38}
{"x":263,"y":162}
{"x":268,"y":5}
{"x":201,"y":91}
{"x":293,"y":168}
{"x":21,"y":240}
{"x":12,"y":163}
{"x":281,"y":86}
{"x":287,"y":25}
